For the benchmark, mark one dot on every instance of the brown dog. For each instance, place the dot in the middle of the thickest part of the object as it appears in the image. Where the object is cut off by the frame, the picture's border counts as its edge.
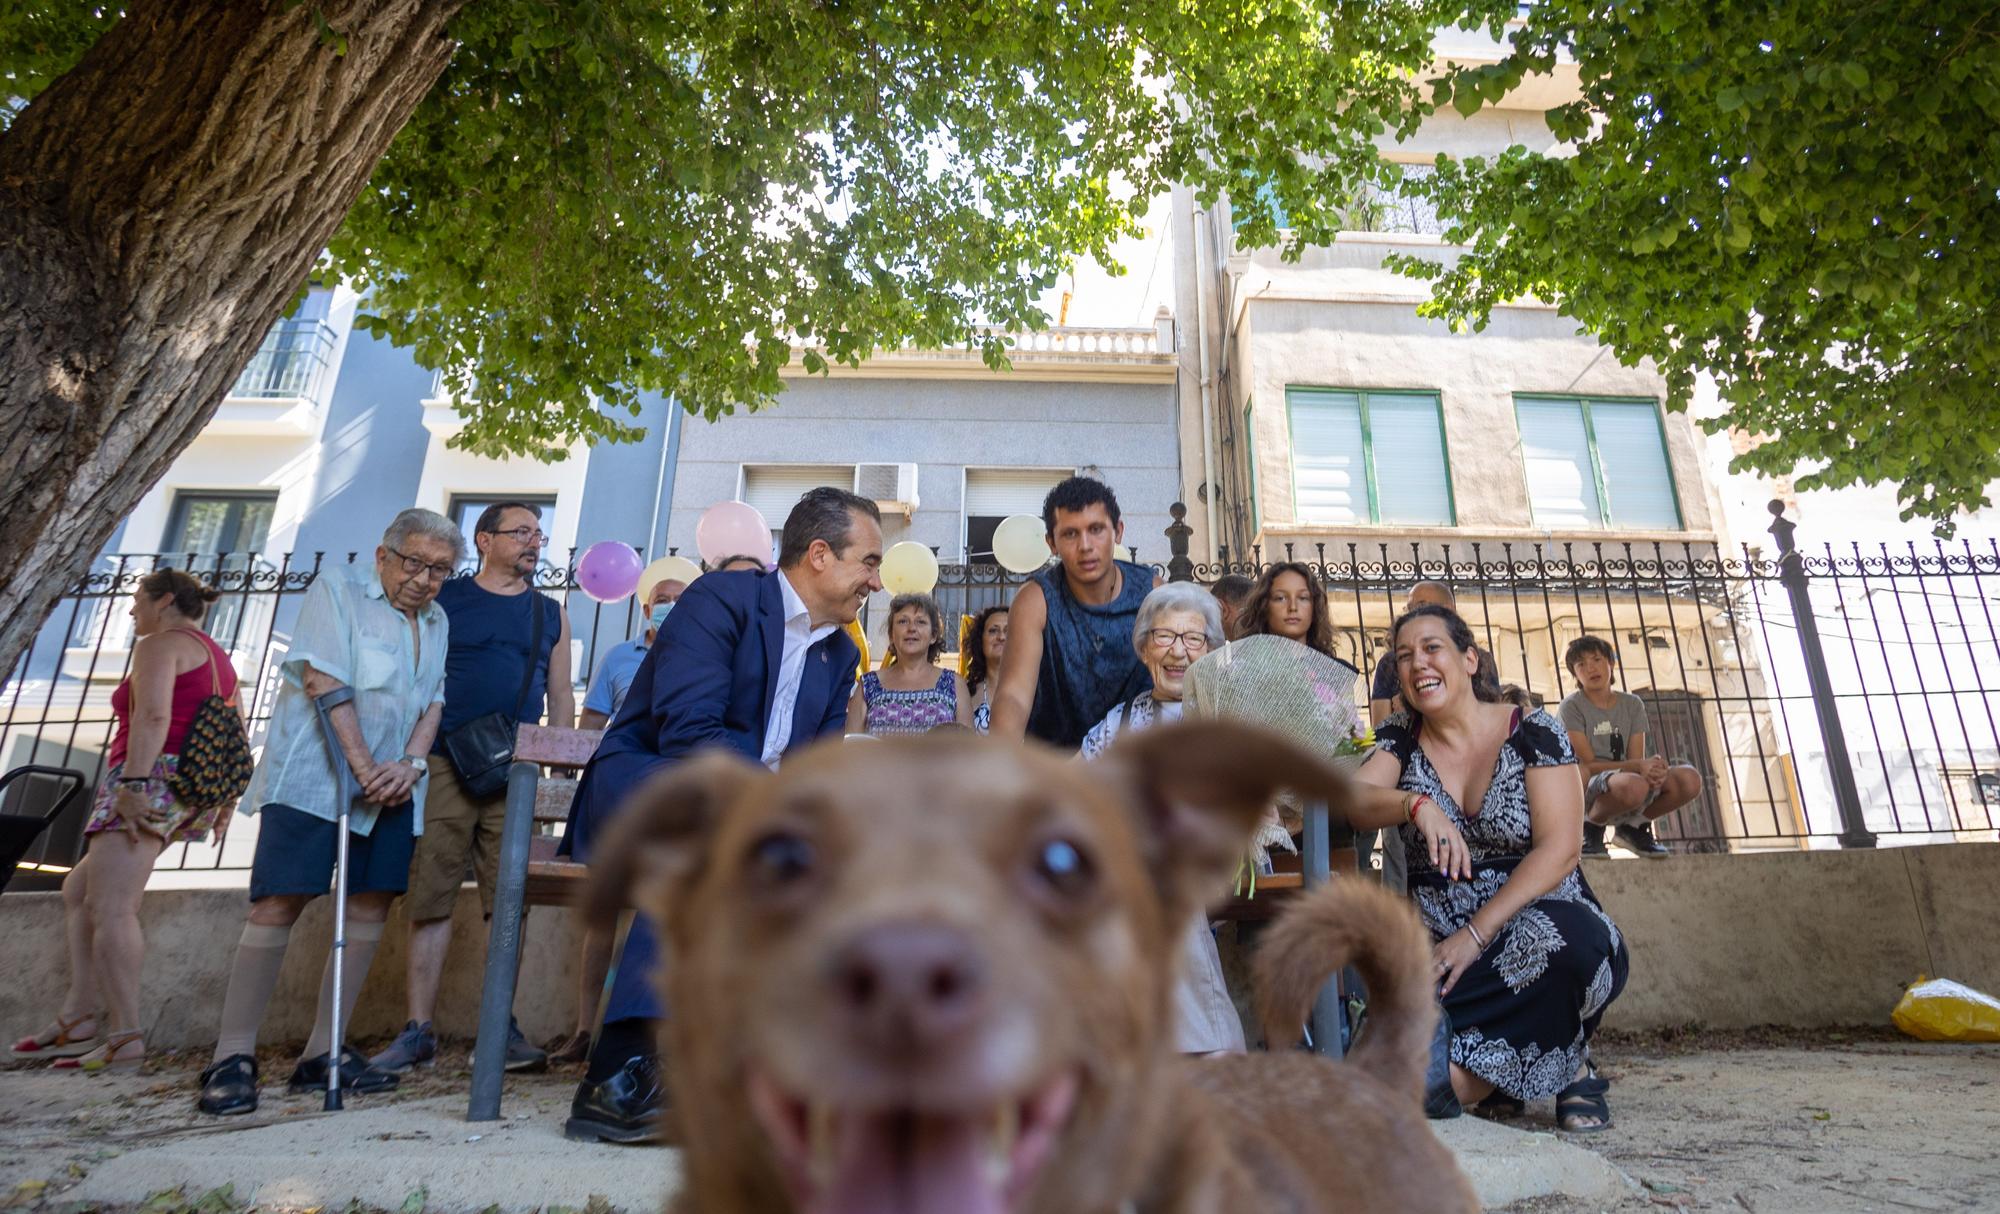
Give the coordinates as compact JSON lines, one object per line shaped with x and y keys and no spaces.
{"x":934,"y":976}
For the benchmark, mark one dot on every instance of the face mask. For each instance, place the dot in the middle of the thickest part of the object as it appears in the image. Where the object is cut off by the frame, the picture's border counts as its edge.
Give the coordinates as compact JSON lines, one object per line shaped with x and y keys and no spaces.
{"x":659,"y":615}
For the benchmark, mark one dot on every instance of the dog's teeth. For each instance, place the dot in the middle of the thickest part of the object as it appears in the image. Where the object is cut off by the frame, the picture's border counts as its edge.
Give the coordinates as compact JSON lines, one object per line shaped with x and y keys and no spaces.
{"x":819,"y":1142}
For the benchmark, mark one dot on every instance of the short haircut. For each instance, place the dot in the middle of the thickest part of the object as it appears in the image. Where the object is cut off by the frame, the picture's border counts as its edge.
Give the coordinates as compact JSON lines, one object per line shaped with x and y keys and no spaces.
{"x":191,"y":595}
{"x":417,"y":521}
{"x":1178,"y":596}
{"x":1438,"y":590}
{"x":1232,"y":588}
{"x":1078,"y":493}
{"x":723,"y":566}
{"x":825,"y":513}
{"x":929,"y":607}
{"x":489,"y":518}
{"x":1584,"y":646}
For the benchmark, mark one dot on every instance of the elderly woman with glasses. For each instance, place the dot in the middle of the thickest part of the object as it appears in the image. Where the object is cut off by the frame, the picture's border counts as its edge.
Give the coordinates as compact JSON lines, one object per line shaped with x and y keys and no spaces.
{"x":1178,"y":623}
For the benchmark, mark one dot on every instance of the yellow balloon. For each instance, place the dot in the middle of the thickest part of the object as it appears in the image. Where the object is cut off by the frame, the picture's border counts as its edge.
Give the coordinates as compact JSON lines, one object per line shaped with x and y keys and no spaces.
{"x":909,"y":568}
{"x":1018,"y":544}
{"x":1121,"y":552}
{"x":860,"y":636}
{"x":667,"y":569}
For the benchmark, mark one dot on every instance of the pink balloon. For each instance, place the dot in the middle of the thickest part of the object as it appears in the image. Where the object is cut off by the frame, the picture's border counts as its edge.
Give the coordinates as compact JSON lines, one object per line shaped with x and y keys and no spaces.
{"x":731,"y":529}
{"x":608,"y":570}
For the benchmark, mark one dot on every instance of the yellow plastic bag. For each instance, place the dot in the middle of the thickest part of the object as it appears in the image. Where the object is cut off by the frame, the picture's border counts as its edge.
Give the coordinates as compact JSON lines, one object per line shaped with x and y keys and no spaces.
{"x":1938,"y":1009}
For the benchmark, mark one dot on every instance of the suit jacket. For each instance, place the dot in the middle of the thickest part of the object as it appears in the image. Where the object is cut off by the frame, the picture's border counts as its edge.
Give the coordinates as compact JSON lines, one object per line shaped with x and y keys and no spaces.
{"x":709,"y":680}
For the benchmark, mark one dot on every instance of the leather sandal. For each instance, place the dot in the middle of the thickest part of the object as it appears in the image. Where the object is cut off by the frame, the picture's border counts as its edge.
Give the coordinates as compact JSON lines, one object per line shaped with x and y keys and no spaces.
{"x":113,"y":1056}
{"x":1581,"y":1108}
{"x":61,"y":1044}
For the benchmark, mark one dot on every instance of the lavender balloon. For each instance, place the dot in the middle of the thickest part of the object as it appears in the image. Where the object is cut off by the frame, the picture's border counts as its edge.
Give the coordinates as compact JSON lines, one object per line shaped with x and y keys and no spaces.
{"x":608,"y":570}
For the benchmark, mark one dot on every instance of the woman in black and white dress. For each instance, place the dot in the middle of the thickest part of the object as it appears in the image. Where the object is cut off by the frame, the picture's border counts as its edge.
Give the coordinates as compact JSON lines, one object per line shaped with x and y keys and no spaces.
{"x":1526,"y":958}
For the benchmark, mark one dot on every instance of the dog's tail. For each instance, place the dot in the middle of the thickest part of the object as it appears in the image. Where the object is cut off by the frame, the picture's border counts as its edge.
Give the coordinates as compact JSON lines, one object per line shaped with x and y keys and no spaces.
{"x":1352,"y":922}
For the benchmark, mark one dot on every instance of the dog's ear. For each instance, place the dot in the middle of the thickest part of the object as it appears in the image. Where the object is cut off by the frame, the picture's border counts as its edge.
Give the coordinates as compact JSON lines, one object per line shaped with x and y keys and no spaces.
{"x":1199,"y":788}
{"x":659,"y":839}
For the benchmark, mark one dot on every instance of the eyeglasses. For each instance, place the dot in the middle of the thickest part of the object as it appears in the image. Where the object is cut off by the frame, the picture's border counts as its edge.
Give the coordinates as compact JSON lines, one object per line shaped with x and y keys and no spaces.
{"x":524,"y":535}
{"x":1164,"y":638}
{"x":416,"y":565}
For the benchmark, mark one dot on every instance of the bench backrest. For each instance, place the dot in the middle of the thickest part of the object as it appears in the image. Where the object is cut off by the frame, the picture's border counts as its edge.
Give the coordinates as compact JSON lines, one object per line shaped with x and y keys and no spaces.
{"x":560,"y":752}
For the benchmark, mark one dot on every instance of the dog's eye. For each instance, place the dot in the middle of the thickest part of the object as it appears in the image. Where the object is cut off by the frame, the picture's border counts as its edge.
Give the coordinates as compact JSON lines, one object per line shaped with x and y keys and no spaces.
{"x":1064,"y":868}
{"x":781,"y":858}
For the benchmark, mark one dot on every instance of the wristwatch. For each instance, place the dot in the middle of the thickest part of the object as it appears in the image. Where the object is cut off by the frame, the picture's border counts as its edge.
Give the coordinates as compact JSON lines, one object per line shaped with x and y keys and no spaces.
{"x":416,"y":761}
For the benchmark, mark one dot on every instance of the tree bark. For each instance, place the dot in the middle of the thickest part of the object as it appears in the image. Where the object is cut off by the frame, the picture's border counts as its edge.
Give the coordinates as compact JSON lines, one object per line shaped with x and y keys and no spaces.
{"x":160,"y":206}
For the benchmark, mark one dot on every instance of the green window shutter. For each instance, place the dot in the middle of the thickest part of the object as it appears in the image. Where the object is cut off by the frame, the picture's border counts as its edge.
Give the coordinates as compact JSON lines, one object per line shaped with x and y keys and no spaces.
{"x":1555,"y":449}
{"x":1406,"y":441}
{"x":1631,"y":450}
{"x":1329,"y":465}
{"x":1250,"y":458}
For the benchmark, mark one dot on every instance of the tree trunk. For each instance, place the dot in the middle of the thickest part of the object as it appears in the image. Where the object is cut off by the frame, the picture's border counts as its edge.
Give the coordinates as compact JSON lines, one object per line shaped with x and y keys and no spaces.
{"x":160,"y":205}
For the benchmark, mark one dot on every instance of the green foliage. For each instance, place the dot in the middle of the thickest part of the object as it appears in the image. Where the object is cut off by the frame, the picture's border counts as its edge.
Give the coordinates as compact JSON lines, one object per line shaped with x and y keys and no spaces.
{"x":600,"y":200}
{"x":1797,"y":198}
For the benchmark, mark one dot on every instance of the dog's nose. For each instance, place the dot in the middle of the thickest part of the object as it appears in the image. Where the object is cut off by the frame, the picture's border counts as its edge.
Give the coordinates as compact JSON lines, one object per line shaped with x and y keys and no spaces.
{"x":907,"y":985}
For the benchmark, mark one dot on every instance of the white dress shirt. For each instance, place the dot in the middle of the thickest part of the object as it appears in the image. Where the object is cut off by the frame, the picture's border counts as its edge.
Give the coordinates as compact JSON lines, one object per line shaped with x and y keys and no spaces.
{"x":800,"y":635}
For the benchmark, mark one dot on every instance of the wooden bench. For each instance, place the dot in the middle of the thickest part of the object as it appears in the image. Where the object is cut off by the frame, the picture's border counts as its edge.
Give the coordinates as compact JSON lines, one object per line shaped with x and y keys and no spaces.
{"x":530,"y":874}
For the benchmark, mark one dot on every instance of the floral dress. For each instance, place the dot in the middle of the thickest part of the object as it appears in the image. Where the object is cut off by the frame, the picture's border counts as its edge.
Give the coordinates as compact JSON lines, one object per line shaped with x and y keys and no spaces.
{"x":896,"y":712}
{"x":1522,"y":1015}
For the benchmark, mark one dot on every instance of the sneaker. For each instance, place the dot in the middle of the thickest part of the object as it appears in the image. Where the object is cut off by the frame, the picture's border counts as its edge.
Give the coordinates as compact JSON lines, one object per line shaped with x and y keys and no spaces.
{"x":355,"y":1074}
{"x":1639,"y":841}
{"x":229,"y":1087}
{"x":522,"y":1056}
{"x":416,"y":1045}
{"x":1593,"y":840}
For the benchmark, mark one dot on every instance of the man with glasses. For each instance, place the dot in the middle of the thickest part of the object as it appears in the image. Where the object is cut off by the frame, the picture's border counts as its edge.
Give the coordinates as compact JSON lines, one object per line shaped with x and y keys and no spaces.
{"x":376,"y":629}
{"x":509,"y":653}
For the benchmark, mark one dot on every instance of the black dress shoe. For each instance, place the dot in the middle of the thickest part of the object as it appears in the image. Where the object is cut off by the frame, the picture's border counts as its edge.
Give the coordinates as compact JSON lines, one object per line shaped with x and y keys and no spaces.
{"x":229,"y":1087}
{"x":355,"y":1074}
{"x":1639,"y":841}
{"x":628,"y":1107}
{"x":1593,"y":840}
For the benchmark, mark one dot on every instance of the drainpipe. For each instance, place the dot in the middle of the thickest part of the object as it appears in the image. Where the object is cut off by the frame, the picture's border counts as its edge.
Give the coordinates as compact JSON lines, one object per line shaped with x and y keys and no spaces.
{"x":1209,"y":488}
{"x":670,"y":449}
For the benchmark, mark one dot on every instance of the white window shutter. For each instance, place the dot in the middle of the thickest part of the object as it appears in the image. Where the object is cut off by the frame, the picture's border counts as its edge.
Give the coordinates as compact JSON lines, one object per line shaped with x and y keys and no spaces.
{"x":1407,"y":441}
{"x":1555,"y":448}
{"x":1004,"y":492}
{"x":1329,"y":477}
{"x":775,"y":488}
{"x":1637,"y":477}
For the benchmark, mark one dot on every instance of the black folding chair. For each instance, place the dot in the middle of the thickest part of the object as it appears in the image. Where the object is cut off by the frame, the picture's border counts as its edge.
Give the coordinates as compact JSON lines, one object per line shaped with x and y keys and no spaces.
{"x":18,"y":832}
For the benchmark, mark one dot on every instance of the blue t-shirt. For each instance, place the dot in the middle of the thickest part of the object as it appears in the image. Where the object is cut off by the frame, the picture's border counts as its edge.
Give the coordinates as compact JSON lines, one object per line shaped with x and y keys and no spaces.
{"x":489,"y":651}
{"x":614,"y":677}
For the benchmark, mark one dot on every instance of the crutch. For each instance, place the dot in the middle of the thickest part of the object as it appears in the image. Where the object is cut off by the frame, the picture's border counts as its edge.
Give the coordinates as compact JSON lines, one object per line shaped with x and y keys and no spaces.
{"x":343,"y":777}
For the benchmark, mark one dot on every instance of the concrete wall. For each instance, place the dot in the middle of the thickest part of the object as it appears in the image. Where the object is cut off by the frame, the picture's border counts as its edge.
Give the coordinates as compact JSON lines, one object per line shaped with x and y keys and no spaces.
{"x":1805,"y":939}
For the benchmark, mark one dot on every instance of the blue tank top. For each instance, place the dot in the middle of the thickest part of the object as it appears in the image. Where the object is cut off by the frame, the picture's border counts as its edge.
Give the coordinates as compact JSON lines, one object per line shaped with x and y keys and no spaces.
{"x":488,"y":650}
{"x":1088,"y":663}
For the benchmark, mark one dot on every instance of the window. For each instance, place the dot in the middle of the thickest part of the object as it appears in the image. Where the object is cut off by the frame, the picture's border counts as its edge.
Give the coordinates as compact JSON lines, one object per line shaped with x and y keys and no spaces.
{"x":1250,"y":459}
{"x":465,"y":511}
{"x":993,"y":494}
{"x":775,"y":488}
{"x":1368,"y":457}
{"x":211,"y":523}
{"x":1597,"y":463}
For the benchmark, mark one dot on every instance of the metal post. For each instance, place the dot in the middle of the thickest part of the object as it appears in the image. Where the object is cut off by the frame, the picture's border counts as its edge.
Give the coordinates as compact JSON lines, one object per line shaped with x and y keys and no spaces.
{"x":503,"y":945}
{"x":1315,"y":863}
{"x":1846,"y":794}
{"x":1179,"y":567}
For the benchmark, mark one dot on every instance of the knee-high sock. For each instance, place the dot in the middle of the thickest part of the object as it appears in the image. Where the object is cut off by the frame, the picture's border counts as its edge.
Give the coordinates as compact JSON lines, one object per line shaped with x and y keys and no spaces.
{"x":362,"y":937}
{"x":260,"y":953}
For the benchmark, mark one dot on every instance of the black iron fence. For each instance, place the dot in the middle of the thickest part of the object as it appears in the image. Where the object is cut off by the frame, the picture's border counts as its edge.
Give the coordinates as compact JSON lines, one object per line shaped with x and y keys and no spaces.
{"x":1824,"y":697}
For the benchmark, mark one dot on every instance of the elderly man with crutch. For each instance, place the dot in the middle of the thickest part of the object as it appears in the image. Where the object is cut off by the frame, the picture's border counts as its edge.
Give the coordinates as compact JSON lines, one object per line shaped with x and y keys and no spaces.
{"x":360,"y":704}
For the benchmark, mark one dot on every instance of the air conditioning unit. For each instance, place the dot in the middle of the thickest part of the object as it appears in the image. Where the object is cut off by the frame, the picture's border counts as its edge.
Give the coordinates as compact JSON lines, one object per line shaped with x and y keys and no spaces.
{"x":889,"y":486}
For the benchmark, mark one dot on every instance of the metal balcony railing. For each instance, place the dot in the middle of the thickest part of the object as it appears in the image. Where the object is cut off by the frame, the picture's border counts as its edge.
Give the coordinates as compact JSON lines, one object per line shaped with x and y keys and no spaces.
{"x":290,"y":363}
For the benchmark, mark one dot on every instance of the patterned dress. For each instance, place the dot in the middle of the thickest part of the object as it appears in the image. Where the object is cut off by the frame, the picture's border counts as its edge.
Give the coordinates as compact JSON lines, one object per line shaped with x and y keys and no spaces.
{"x":1522,"y":1015}
{"x":897,"y":712}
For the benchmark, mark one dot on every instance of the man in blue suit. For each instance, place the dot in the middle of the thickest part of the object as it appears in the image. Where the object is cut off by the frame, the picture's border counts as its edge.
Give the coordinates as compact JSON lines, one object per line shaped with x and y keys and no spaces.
{"x":757,"y":662}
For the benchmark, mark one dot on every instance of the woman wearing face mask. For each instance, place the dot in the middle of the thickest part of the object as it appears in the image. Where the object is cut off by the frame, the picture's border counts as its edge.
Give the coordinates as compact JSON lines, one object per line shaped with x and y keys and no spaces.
{"x":1290,"y":602}
{"x":1486,"y":792}
{"x":985,"y":643}
{"x":911,"y":693}
{"x":619,"y":663}
{"x":1177,"y":623}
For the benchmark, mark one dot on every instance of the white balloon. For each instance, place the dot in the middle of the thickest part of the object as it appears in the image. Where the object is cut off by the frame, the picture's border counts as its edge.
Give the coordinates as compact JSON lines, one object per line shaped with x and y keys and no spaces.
{"x":1019,"y":544}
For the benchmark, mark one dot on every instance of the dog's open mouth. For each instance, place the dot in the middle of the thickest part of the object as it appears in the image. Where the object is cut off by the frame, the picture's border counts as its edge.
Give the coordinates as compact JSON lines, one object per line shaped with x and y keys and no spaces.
{"x":911,"y":1160}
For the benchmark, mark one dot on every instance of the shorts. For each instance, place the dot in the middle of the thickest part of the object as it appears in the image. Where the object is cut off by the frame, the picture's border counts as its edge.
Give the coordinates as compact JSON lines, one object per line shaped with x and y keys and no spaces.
{"x":1602,"y":780}
{"x":457,"y":830}
{"x":174,"y":821}
{"x":296,"y":852}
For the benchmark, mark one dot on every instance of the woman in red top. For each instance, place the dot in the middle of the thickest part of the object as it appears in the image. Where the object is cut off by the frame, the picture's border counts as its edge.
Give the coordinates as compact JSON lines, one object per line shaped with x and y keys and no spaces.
{"x":175,"y":666}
